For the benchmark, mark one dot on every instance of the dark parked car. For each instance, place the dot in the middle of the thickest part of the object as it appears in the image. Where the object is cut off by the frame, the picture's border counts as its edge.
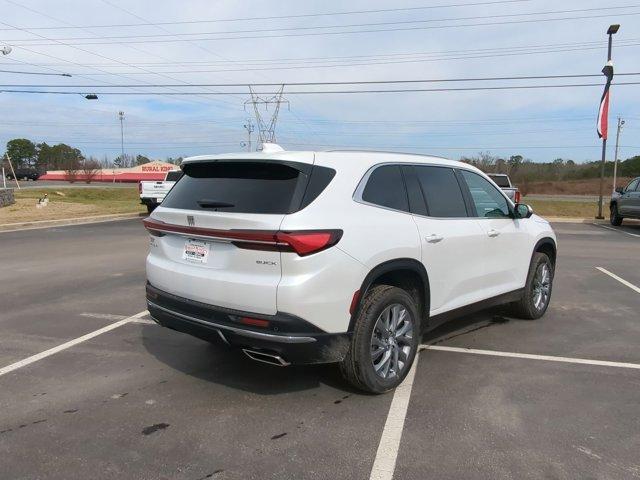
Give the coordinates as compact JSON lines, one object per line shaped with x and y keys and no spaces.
{"x":626,"y":202}
{"x":24,"y":174}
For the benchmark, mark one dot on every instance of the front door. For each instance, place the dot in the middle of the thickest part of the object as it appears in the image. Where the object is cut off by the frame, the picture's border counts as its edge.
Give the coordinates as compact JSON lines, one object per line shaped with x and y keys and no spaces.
{"x":506,"y":246}
{"x":629,"y":201}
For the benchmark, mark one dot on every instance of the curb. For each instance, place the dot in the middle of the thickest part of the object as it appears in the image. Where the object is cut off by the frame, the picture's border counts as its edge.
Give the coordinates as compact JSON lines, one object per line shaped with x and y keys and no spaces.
{"x":63,"y":222}
{"x":573,"y":220}
{"x":591,"y":221}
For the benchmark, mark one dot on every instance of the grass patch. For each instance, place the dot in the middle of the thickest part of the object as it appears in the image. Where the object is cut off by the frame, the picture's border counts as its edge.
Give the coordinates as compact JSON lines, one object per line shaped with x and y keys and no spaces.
{"x":71,"y":203}
{"x":554,"y":208}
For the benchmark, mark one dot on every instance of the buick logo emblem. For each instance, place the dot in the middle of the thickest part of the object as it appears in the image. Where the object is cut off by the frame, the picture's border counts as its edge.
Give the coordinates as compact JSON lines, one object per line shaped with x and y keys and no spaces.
{"x":191,"y":221}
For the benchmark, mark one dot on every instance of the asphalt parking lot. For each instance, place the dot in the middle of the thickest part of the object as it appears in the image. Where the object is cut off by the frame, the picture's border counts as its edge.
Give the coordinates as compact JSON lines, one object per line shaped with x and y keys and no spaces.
{"x":139,"y":401}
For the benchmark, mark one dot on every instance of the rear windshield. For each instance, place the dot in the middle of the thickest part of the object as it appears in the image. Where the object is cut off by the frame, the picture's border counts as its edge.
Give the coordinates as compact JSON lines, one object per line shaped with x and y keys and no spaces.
{"x":501,"y":180}
{"x":242,"y":187}
{"x":174,"y":176}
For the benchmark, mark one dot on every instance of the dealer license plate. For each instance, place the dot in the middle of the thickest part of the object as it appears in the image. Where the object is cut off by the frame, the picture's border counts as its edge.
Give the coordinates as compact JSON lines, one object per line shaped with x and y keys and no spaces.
{"x":196,"y":251}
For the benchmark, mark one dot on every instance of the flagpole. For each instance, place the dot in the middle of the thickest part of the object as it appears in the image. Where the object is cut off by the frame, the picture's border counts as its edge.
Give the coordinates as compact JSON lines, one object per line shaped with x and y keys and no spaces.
{"x":613,"y":29}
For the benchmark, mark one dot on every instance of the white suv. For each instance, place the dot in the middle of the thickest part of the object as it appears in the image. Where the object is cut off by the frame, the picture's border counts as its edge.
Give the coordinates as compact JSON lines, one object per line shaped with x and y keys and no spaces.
{"x":339,"y":256}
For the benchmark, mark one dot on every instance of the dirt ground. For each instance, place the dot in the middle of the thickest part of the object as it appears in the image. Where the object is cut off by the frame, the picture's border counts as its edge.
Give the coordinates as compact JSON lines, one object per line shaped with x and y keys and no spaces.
{"x":571,"y":187}
{"x":69,"y":203}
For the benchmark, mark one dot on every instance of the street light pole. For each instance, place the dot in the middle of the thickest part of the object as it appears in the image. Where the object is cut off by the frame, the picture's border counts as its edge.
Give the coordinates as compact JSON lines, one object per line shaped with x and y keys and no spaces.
{"x":121,"y":115}
{"x":613,"y":29}
{"x":615,"y":159}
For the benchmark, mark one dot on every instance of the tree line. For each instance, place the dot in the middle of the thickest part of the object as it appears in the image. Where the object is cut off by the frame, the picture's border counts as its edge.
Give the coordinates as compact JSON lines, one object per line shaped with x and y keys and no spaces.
{"x":41,"y":156}
{"x":522,"y":170}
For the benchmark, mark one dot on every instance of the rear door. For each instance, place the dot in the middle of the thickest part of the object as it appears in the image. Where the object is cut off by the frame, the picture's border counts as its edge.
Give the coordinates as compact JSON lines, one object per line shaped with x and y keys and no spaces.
{"x":218,"y":203}
{"x":506,"y":246}
{"x":450,"y":237}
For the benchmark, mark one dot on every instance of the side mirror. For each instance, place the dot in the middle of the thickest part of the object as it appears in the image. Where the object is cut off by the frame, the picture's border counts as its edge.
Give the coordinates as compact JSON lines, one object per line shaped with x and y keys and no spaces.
{"x":619,"y":189}
{"x":522,"y":210}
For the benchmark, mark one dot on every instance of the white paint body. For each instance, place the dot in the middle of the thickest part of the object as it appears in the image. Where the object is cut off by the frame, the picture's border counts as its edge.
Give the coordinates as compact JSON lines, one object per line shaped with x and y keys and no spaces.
{"x":471,"y":262}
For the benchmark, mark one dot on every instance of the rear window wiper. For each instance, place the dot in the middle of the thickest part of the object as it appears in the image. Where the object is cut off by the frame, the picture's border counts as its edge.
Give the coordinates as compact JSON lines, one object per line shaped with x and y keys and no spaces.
{"x":204,"y":203}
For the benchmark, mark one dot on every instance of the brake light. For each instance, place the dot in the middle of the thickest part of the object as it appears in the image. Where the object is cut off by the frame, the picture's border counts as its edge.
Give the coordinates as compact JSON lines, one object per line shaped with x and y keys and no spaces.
{"x":306,"y":242}
{"x":517,"y":196}
{"x":302,"y":242}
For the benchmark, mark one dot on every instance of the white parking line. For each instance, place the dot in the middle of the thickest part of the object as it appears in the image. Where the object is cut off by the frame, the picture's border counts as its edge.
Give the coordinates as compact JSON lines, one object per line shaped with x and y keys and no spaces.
{"x":69,"y":344}
{"x":617,"y":230}
{"x":548,"y":358}
{"x":621,"y":280}
{"x":385,"y":461}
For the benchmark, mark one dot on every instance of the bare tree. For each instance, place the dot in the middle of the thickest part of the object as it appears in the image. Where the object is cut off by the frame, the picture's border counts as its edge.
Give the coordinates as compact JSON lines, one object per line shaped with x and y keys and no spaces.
{"x":71,"y":168}
{"x":90,"y":168}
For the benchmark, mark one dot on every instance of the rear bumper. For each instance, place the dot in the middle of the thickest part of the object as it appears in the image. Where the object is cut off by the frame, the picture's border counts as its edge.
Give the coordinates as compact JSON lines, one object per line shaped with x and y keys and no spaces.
{"x":150,"y":201}
{"x":291,"y":338}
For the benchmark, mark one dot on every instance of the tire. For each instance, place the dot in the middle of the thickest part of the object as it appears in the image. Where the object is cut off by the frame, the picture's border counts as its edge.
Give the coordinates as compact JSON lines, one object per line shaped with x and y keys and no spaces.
{"x":364,"y":366}
{"x":529,"y":307}
{"x":614,"y":217}
{"x":150,"y":208}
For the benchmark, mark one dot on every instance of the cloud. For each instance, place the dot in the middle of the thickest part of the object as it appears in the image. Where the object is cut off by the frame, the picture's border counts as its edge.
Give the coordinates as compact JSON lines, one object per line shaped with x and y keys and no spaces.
{"x":539,"y":124}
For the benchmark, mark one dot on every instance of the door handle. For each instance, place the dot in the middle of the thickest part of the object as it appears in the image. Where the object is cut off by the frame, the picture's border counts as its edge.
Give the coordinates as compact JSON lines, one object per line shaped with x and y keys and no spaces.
{"x":433,"y":238}
{"x":493,"y":233}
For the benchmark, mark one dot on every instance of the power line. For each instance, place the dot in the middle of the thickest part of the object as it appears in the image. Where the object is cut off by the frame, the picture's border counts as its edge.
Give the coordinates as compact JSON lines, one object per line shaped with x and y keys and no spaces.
{"x":351,"y":82}
{"x":352,"y":25}
{"x":330,"y":92}
{"x":37,"y":73}
{"x":75,"y":47}
{"x":281,"y":17}
{"x":356,"y":57}
{"x":375,"y":30}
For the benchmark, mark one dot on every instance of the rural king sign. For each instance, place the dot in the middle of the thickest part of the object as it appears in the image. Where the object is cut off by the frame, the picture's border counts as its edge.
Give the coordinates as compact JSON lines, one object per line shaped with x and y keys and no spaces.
{"x":157,"y":168}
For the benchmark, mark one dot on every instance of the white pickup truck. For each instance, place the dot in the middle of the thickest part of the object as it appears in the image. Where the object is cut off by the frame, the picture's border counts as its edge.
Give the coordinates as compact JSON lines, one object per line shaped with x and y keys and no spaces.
{"x":152,"y":193}
{"x":504,"y":182}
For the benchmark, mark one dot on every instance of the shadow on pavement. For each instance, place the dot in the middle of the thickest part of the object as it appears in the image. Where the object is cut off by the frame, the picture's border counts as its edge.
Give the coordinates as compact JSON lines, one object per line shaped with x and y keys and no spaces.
{"x":223,"y":365}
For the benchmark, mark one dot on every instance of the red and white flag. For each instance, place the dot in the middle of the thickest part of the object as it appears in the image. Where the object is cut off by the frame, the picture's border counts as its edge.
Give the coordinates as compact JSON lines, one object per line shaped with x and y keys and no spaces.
{"x":603,"y":111}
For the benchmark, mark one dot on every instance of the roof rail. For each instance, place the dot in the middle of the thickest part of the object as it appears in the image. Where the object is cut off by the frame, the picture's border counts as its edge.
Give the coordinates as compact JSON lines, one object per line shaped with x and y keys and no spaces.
{"x":359,"y":150}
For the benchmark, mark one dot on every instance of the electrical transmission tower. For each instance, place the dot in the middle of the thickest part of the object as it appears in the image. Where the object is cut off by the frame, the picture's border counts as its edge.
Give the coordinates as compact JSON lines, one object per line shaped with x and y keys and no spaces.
{"x":266,"y":130}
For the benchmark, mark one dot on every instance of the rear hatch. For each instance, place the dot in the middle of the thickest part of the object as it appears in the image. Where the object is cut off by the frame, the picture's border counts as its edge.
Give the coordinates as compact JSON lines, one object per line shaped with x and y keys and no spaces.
{"x":215,"y":236}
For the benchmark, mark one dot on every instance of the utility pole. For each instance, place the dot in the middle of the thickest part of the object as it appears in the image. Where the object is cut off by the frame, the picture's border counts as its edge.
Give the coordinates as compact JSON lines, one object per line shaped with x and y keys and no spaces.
{"x":615,"y":159}
{"x":604,"y":113}
{"x":249,"y":128}
{"x":266,"y":131}
{"x":121,"y":116}
{"x":12,"y":171}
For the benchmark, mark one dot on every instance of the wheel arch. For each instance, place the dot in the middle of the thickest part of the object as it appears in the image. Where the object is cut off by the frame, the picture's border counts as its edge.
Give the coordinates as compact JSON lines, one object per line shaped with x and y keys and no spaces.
{"x":546,"y":245}
{"x":406,"y":273}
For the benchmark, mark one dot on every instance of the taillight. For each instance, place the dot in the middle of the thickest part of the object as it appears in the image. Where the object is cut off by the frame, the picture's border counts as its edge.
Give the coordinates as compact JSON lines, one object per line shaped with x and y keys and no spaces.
{"x":302,"y":242}
{"x":517,"y":196}
{"x":307,"y":242}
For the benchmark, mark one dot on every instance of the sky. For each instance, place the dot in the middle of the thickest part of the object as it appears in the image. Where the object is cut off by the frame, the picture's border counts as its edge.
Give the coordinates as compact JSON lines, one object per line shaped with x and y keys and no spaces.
{"x":105,"y":43}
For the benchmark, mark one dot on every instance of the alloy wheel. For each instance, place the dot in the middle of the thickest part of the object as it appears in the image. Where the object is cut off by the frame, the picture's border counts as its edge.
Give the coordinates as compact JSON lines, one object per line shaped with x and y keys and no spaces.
{"x":541,"y":286}
{"x":391,"y":341}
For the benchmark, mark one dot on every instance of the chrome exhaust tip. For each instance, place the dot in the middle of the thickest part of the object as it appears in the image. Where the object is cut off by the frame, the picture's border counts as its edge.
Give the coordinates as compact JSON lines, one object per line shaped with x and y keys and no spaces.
{"x":264,"y":357}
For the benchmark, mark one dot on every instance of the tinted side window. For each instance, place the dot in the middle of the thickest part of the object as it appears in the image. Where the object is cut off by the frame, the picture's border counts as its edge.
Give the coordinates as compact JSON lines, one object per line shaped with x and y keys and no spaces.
{"x":488,"y":201}
{"x":385,"y":187}
{"x":441,"y":192}
{"x":500,"y":180}
{"x":174,"y":176}
{"x":633,"y":186}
